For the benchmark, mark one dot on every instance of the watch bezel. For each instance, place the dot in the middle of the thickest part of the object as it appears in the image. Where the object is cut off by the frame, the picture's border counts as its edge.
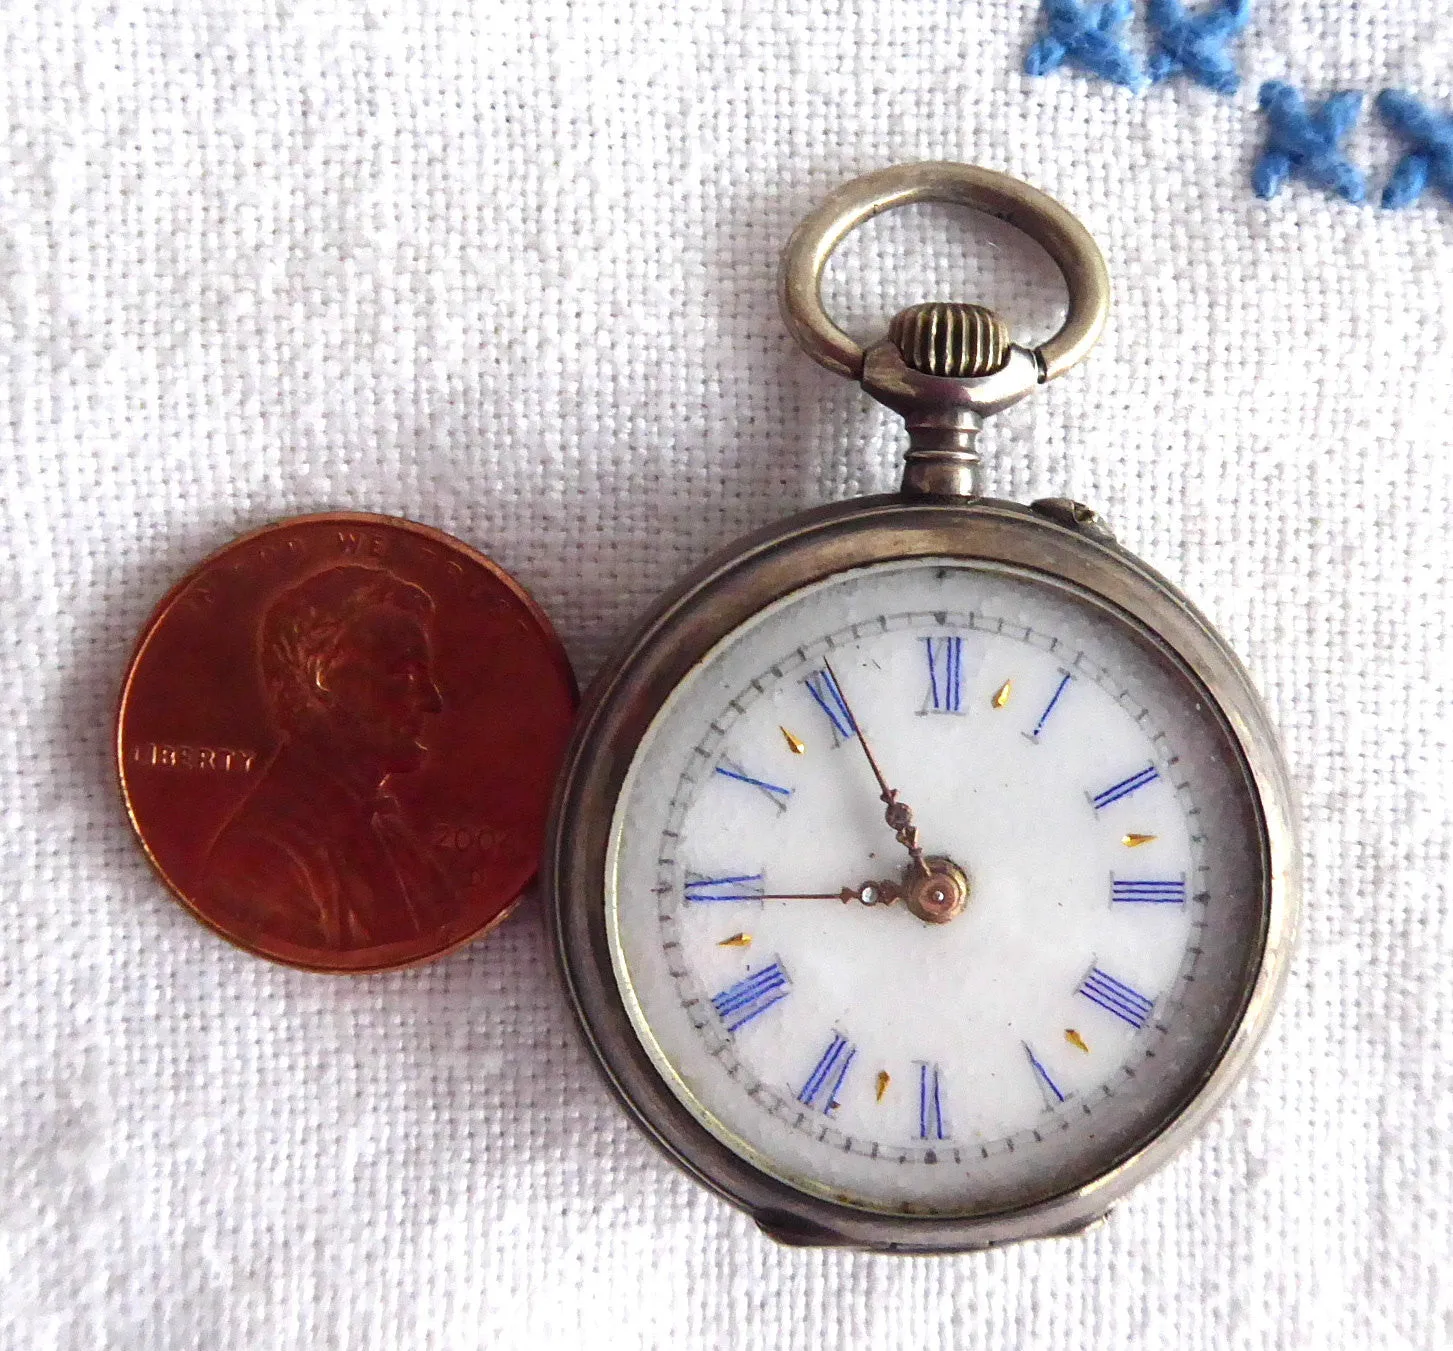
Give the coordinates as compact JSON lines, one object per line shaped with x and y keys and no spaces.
{"x":711,"y":603}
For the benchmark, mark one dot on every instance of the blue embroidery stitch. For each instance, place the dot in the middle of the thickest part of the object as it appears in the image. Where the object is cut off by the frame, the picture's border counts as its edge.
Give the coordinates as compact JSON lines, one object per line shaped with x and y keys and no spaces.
{"x":1429,"y":158}
{"x":1306,"y":142}
{"x":1088,"y":35}
{"x":1197,"y":45}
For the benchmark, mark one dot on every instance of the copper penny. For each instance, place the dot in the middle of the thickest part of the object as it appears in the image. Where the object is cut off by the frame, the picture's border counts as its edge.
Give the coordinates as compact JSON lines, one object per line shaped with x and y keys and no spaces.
{"x":337,"y":741}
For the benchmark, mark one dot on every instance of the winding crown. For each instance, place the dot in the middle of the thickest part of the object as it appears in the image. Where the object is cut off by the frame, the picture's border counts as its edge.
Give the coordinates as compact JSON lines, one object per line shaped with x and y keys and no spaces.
{"x":951,"y":339}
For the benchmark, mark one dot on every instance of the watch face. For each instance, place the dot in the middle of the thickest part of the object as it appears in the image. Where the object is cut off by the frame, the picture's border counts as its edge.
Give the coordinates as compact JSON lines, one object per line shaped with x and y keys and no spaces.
{"x":936,"y":888}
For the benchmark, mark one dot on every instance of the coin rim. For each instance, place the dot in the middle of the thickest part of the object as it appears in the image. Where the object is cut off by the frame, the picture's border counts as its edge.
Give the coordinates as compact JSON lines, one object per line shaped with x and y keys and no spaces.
{"x":555,"y":650}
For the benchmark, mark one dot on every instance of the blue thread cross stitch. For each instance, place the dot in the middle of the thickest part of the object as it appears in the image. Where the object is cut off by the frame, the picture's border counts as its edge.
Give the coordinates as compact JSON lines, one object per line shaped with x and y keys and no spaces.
{"x":1088,"y":35}
{"x":1307,"y":142}
{"x":1429,"y":158}
{"x":1197,"y":45}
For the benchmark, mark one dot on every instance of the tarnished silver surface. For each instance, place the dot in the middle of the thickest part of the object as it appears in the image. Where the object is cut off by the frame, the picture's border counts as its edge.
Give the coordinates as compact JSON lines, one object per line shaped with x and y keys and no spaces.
{"x":949,"y":337}
{"x":1017,"y":204}
{"x":1074,"y":514}
{"x":944,"y":401}
{"x":943,"y":415}
{"x":1053,"y":547}
{"x":1057,"y":542}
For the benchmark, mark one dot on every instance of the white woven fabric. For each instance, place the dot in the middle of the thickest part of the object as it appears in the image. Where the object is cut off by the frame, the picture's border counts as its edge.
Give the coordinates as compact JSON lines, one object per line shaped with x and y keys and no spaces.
{"x":508,"y":268}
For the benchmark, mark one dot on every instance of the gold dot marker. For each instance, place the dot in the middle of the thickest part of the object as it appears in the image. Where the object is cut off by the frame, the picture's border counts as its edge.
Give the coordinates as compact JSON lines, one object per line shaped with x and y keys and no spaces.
{"x":883,"y":1082}
{"x":1001,"y":695}
{"x":1135,"y":841}
{"x":1075,"y":1039}
{"x":794,"y":744}
{"x":736,"y":941}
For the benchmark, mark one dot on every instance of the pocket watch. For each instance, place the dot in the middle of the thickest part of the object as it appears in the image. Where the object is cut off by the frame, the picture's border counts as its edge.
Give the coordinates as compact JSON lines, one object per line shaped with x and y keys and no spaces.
{"x":922,"y":872}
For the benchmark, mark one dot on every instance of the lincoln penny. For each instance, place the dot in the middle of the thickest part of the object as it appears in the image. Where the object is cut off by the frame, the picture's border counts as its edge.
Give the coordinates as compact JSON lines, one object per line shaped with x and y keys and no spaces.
{"x":337,"y":740}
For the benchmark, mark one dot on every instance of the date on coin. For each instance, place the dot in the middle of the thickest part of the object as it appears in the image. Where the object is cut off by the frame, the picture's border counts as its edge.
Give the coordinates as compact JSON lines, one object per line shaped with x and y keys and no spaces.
{"x":337,"y":741}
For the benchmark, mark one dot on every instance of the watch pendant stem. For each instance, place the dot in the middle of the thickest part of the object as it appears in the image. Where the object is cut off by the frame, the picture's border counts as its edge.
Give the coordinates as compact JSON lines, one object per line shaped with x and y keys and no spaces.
{"x":952,"y":341}
{"x":945,"y":368}
{"x":942,"y":462}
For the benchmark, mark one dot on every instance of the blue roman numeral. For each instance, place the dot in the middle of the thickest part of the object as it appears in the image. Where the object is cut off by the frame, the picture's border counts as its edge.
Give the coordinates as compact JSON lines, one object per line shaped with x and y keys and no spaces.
{"x":1047,"y":1086}
{"x":738,"y":1004}
{"x":821,"y":1089}
{"x":826,"y":695}
{"x":1049,"y":707}
{"x":1115,"y":996}
{"x":729,"y":769}
{"x":931,"y":1123}
{"x":1148,"y":890}
{"x":945,"y":674}
{"x":739,"y":887}
{"x":1125,"y":787}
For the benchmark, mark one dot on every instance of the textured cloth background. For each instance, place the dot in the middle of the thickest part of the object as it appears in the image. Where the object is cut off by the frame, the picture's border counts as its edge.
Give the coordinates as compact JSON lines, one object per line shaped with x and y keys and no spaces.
{"x":508,"y":268}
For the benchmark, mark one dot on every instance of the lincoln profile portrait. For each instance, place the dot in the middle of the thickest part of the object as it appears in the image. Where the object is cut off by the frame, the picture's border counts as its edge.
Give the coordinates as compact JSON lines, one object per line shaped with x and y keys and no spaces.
{"x":318,"y":853}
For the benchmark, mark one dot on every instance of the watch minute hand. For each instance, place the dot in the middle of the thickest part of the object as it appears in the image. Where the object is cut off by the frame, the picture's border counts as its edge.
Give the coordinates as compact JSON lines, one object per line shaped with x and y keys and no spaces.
{"x":870,"y":893}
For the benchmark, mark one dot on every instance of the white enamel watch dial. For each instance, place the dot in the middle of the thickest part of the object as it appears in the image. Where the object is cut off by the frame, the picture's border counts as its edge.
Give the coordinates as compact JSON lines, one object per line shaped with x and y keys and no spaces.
{"x":995,"y":1010}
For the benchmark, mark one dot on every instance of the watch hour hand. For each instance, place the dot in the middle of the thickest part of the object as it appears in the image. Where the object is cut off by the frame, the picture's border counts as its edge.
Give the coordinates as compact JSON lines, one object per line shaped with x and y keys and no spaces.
{"x":898,"y":814}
